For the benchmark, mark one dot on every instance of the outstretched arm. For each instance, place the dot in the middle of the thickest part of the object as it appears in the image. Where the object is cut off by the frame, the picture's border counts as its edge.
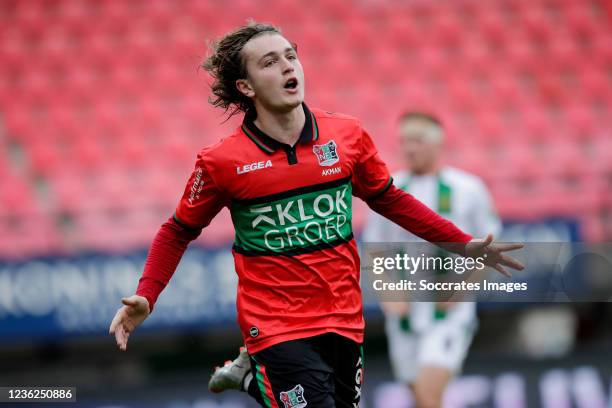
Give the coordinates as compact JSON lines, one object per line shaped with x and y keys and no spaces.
{"x":166,"y":251}
{"x":416,"y":217}
{"x":372,"y":182}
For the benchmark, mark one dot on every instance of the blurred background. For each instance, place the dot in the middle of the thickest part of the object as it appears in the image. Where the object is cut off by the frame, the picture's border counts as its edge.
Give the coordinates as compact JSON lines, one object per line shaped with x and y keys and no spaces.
{"x":103,"y":108}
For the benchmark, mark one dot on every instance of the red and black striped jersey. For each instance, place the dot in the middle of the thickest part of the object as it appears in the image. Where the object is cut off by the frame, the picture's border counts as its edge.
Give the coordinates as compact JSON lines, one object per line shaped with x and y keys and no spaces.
{"x":291,"y":206}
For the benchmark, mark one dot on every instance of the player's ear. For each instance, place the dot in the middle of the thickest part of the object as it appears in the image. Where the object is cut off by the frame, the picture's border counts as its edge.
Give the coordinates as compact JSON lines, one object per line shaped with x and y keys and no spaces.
{"x":244,"y":87}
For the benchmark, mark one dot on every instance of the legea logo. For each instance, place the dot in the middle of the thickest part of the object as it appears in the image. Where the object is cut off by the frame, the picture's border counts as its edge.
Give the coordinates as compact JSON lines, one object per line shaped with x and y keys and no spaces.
{"x":253,"y":166}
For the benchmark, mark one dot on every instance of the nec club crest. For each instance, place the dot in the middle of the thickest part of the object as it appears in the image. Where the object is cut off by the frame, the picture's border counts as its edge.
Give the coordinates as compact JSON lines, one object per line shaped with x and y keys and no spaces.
{"x":327,"y":153}
{"x":294,"y":398}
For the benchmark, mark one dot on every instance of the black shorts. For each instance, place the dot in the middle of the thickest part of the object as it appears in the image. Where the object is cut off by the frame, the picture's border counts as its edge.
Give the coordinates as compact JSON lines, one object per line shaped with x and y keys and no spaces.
{"x":324,"y":371}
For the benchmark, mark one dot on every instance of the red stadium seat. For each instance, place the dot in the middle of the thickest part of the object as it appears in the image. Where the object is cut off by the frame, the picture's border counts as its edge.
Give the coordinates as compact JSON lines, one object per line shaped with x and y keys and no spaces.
{"x":68,"y":191}
{"x":515,"y":202}
{"x":110,"y":108}
{"x":33,"y":235}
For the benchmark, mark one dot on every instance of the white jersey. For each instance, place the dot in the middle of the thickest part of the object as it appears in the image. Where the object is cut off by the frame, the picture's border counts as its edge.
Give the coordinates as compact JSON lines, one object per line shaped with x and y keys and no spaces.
{"x":457,"y":196}
{"x":426,"y":336}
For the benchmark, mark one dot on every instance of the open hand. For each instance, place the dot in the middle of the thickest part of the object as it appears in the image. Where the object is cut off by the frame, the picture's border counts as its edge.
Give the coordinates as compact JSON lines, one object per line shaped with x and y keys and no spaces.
{"x":493,"y":254}
{"x":134,"y":311}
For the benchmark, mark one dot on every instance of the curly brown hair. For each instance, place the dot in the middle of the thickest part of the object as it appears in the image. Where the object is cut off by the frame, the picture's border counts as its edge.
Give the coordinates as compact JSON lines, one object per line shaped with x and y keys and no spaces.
{"x":226,"y":65}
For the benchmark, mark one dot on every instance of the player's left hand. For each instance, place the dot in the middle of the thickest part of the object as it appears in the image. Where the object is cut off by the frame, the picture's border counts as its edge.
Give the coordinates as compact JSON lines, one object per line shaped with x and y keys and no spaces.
{"x":493,"y":254}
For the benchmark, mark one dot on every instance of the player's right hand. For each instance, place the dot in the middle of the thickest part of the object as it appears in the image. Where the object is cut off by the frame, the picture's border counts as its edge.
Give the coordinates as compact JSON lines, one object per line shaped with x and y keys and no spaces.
{"x":134,"y":311}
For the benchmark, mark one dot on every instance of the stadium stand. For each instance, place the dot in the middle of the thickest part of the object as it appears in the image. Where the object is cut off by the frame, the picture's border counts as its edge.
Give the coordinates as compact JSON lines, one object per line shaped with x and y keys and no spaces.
{"x":103,"y":107}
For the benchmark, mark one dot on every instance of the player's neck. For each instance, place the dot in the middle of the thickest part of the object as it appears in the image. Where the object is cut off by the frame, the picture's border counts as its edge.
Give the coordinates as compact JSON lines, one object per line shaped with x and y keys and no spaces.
{"x":431,"y":170}
{"x":283,"y":127}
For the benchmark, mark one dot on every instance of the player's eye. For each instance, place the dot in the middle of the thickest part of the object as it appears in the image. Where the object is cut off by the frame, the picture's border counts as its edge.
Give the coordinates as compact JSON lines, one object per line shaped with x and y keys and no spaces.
{"x":269,"y":63}
{"x":291,"y":57}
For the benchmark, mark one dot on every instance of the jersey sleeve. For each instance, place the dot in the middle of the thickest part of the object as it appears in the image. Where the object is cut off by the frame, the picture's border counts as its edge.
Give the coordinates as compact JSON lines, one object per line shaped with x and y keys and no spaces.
{"x":371,"y":177}
{"x":202,"y":199}
{"x":483,"y":216}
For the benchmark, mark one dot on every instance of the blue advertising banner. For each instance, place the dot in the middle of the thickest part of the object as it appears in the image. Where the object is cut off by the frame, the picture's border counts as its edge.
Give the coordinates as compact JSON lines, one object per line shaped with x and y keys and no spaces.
{"x":74,"y":296}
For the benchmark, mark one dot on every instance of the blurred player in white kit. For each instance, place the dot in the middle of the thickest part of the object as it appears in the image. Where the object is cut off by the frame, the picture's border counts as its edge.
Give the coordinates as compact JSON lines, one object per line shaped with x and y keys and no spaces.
{"x":428,"y":342}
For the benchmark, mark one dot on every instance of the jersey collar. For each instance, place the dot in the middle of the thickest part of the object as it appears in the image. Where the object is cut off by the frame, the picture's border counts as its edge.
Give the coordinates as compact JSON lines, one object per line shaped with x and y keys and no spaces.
{"x":310,"y":132}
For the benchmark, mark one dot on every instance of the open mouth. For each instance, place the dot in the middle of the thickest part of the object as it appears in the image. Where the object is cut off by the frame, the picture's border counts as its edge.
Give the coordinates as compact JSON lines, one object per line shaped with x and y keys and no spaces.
{"x":291,"y":83}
